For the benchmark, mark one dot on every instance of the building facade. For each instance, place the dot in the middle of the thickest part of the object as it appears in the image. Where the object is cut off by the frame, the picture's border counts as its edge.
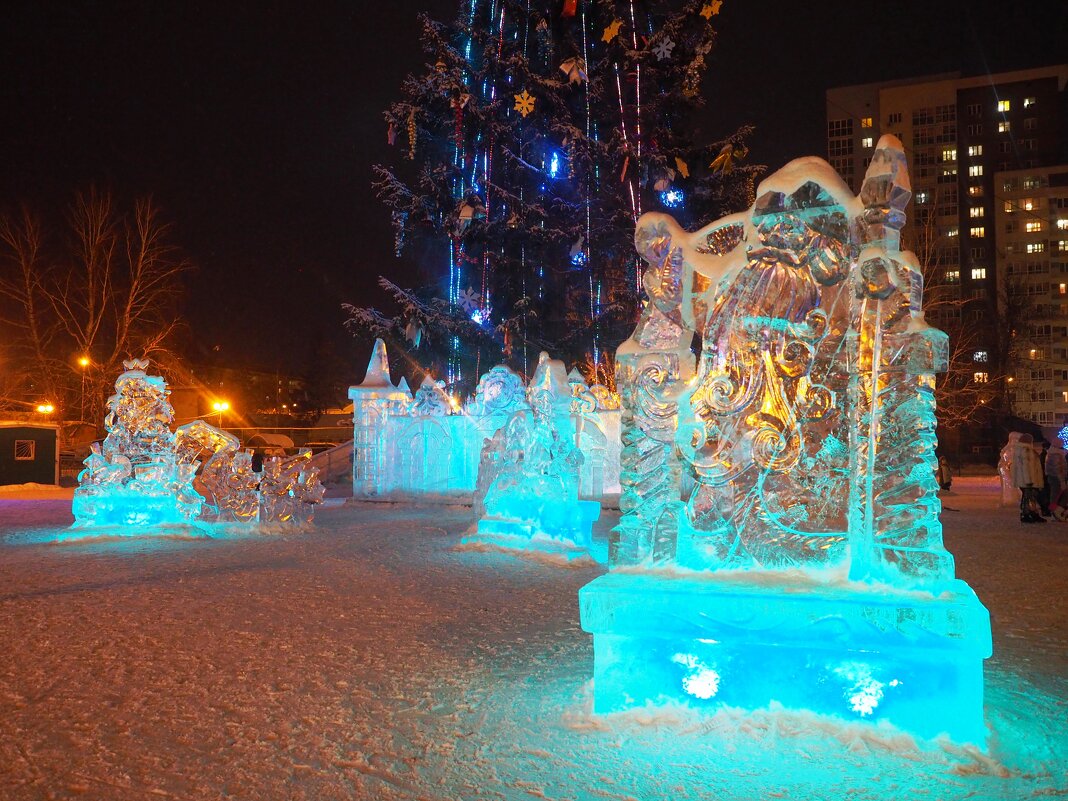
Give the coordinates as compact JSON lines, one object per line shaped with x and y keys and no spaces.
{"x":979,"y":147}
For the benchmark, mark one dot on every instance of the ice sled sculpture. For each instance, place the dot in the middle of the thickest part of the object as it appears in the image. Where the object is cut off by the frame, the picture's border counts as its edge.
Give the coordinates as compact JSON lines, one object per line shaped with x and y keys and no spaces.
{"x":783,"y":488}
{"x":528,"y":482}
{"x":145,"y":478}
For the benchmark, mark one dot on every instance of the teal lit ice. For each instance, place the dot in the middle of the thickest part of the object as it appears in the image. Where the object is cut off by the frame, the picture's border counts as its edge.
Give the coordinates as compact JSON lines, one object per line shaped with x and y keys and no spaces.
{"x":781,"y":542}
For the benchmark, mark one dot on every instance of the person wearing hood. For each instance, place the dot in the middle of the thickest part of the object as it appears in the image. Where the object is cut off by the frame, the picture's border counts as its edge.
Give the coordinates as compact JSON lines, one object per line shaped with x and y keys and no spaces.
{"x":1057,"y":478}
{"x":1026,"y":471}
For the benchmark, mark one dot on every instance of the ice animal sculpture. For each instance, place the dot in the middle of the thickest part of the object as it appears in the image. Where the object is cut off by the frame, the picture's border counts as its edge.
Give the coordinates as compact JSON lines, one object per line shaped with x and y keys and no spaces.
{"x":780,"y":539}
{"x":529,"y":473}
{"x":145,"y":478}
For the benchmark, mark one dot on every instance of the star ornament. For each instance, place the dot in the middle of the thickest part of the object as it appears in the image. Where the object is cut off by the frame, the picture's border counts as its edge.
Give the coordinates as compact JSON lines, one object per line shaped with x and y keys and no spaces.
{"x":468,"y":300}
{"x":663,"y":48}
{"x":612,"y":31}
{"x":524,"y":103}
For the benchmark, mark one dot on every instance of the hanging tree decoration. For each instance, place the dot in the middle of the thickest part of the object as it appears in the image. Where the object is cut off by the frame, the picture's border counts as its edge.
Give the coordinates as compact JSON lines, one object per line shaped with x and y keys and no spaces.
{"x":612,"y":31}
{"x":575,"y":70}
{"x":469,"y":210}
{"x":570,"y":8}
{"x":459,"y":102}
{"x":413,"y":332}
{"x":412,"y":133}
{"x":391,"y":133}
{"x":524,"y":103}
{"x":683,"y":167}
{"x":469,"y":300}
{"x":663,"y":48}
{"x":708,"y":10}
{"x":728,"y":154}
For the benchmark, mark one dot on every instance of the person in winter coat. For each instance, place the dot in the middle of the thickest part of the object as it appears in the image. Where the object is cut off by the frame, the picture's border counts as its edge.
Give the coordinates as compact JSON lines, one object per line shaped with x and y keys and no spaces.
{"x":1057,"y":479}
{"x":1027,"y":477}
{"x":944,"y":475}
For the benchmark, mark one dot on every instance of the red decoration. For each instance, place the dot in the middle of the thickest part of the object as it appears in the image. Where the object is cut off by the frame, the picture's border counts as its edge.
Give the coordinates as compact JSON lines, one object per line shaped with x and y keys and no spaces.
{"x":570,"y":8}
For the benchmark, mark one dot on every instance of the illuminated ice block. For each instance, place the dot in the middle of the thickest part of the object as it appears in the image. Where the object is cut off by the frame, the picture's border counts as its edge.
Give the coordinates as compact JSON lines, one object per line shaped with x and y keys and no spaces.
{"x":799,"y":446}
{"x":913,"y":659}
{"x":529,"y":474}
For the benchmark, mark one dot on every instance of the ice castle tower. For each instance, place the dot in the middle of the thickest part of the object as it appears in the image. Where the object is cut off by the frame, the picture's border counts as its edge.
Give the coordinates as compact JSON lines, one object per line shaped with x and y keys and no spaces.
{"x":781,"y":539}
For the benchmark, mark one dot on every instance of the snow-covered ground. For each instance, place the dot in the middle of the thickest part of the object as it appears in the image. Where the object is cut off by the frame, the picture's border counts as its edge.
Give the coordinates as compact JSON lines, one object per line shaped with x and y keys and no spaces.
{"x":373,"y":659}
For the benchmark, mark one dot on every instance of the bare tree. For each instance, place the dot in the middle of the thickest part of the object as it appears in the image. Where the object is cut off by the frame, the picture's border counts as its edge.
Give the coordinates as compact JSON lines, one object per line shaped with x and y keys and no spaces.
{"x":113,"y":296}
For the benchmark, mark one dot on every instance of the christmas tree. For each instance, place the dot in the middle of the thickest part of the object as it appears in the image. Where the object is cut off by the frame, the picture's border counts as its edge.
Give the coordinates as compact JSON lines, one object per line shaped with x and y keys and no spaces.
{"x":528,"y":149}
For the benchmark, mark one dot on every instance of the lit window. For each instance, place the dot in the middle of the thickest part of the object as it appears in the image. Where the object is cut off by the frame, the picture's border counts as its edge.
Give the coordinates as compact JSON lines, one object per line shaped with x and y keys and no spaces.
{"x":1003,"y":106}
{"x":975,"y":170}
{"x":1062,"y":223}
{"x":975,"y":191}
{"x":952,"y":276}
{"x":865,"y":122}
{"x":975,"y":211}
{"x":923,"y":196}
{"x":1028,"y":102}
{"x":949,"y":154}
{"x":1036,"y":247}
{"x":867,"y":142}
{"x":981,"y":378}
{"x":1063,"y":289}
{"x":975,"y":150}
{"x":1033,"y":226}
{"x":1004,"y":126}
{"x":951,"y":231}
{"x":1027,"y":204}
{"x":1062,"y":246}
{"x":978,"y":272}
{"x":978,"y":232}
{"x":980,"y":356}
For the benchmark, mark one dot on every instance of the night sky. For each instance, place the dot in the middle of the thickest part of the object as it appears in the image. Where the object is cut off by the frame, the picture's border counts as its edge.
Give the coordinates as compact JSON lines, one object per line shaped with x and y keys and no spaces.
{"x":255,"y":125}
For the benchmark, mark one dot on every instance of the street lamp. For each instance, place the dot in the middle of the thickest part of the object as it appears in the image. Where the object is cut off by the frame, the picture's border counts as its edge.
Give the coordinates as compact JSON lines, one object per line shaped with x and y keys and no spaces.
{"x":83,"y":362}
{"x":220,"y":407}
{"x":45,"y":408}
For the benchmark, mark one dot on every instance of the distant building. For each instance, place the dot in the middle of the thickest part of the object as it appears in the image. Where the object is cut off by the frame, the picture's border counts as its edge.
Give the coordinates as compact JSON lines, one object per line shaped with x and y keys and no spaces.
{"x":978,"y":148}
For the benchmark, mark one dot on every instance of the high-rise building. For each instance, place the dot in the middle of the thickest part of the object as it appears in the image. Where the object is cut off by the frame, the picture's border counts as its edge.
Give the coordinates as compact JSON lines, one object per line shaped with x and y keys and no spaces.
{"x":977,"y":147}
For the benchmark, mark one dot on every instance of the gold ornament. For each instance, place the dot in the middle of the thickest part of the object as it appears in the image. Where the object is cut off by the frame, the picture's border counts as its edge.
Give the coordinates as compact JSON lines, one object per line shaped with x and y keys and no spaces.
{"x":524,"y":103}
{"x":684,"y":168}
{"x":612,"y":31}
{"x":412,"y":133}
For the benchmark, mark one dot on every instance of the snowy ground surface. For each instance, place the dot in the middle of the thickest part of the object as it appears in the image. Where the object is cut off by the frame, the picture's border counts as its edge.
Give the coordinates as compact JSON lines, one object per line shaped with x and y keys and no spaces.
{"x":372,"y":659}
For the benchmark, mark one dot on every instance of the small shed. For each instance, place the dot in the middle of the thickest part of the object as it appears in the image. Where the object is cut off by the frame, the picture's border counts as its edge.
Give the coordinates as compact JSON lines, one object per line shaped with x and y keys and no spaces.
{"x":29,"y":453}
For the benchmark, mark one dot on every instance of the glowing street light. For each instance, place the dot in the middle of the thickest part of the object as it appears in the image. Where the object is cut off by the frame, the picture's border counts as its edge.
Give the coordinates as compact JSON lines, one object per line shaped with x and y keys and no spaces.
{"x":83,"y":362}
{"x":45,"y":408}
{"x":221,"y":406}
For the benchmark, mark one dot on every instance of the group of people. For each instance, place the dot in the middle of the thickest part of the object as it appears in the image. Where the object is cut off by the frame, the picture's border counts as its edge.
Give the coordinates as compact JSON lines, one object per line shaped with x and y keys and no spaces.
{"x":1040,"y":473}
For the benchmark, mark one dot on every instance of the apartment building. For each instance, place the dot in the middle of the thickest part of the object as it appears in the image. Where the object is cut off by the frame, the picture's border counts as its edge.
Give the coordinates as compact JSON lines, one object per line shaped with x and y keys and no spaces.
{"x":967,"y":138}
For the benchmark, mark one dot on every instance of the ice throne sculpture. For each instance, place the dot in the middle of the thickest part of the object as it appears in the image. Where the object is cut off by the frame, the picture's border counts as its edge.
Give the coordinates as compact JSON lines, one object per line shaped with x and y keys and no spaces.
{"x":780,"y":539}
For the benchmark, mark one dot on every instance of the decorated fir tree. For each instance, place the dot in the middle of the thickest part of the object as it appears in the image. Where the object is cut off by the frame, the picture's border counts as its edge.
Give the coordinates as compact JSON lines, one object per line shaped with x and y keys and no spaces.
{"x":538,"y":134}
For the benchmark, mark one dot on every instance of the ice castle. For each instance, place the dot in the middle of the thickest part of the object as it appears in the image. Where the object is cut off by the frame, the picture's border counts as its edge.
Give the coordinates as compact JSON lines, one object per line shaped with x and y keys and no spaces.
{"x":781,"y":541}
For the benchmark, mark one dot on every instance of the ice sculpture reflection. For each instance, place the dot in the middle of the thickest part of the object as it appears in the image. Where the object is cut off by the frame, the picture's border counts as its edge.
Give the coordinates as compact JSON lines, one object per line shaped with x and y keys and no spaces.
{"x":146,"y":479}
{"x":780,"y":531}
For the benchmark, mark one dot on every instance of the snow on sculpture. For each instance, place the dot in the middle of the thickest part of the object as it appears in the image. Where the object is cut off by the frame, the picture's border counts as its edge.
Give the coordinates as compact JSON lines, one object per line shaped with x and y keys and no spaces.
{"x":145,"y":478}
{"x":529,"y":474}
{"x":785,"y":491}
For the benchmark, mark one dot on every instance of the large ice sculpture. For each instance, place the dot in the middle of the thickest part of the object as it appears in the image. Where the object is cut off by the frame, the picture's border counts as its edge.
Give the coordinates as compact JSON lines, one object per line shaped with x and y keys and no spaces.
{"x":145,"y":478}
{"x":785,"y":494}
{"x":529,"y":473}
{"x":134,"y":479}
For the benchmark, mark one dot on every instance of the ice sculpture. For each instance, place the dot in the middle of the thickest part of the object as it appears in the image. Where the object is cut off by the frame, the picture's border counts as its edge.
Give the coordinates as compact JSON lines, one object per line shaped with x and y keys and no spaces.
{"x":133,"y":480}
{"x":529,"y":473}
{"x":146,"y":479}
{"x":785,"y":493}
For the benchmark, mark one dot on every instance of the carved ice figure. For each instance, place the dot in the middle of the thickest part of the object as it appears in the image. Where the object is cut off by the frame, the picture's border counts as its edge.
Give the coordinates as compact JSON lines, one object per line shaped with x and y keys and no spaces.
{"x":532,"y":467}
{"x":133,"y":480}
{"x":1010,"y":496}
{"x":143,"y":475}
{"x":801,"y":452}
{"x":289,"y":489}
{"x":499,"y":391}
{"x":431,"y":400}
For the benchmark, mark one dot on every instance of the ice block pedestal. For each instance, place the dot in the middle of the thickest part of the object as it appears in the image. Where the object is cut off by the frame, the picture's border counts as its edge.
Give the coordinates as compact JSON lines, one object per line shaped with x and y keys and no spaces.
{"x":728,"y":639}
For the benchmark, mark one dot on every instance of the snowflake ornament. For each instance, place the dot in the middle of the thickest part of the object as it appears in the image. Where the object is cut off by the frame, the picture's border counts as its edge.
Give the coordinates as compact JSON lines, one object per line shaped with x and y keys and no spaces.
{"x":524,"y":103}
{"x":468,"y":300}
{"x":663,"y":48}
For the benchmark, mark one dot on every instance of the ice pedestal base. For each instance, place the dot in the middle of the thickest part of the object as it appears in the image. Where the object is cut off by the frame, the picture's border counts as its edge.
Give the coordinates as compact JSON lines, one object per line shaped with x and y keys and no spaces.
{"x":855,"y":652}
{"x":135,"y":510}
{"x":558,"y":527}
